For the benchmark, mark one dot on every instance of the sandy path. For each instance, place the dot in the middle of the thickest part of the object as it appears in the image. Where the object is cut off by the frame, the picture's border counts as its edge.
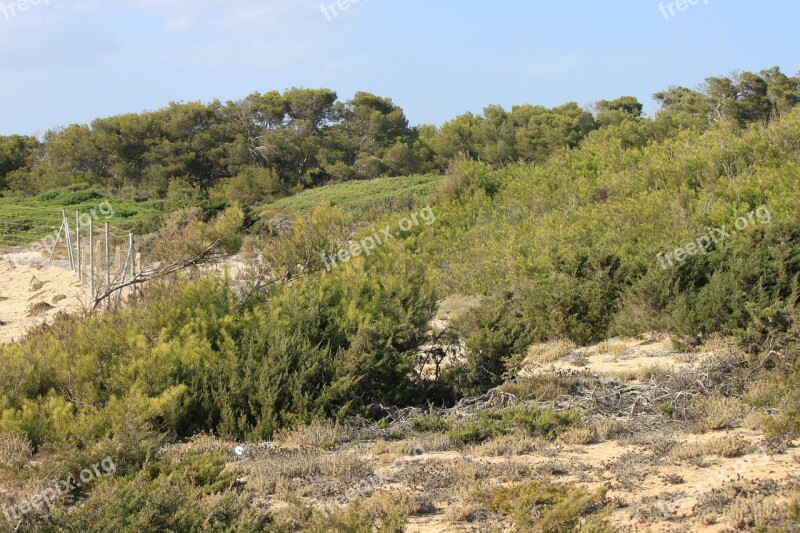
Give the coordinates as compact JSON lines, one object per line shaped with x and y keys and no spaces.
{"x":32,"y":293}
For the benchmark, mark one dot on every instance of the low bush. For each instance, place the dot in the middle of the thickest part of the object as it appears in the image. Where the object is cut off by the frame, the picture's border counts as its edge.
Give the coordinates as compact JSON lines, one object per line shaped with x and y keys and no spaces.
{"x":714,"y":413}
{"x":534,"y":420}
{"x":431,"y":423}
{"x":729,"y":446}
{"x":549,"y":507}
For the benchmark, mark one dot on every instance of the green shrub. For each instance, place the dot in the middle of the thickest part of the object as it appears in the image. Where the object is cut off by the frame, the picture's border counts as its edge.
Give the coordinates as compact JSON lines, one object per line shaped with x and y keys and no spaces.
{"x":549,"y":507}
{"x":431,"y":423}
{"x":146,"y":502}
{"x":205,"y":471}
{"x":189,"y":357}
{"x":535,"y":420}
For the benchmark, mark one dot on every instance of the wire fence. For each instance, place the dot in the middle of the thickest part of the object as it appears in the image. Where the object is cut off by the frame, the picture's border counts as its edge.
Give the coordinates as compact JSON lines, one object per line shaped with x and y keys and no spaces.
{"x":103,"y":257}
{"x":21,"y":225}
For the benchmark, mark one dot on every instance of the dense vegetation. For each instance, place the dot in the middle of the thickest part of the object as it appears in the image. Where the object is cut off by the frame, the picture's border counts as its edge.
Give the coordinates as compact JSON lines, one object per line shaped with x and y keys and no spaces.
{"x":363,"y":196}
{"x":266,"y":145}
{"x":24,"y":219}
{"x":559,"y":219}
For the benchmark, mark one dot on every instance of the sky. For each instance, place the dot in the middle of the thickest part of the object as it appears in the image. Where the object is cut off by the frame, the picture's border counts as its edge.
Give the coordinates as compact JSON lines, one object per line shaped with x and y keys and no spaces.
{"x":71,"y":61}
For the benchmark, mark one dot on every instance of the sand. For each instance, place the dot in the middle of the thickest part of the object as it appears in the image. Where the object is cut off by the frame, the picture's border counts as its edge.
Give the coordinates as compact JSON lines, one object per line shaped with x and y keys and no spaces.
{"x":32,"y":293}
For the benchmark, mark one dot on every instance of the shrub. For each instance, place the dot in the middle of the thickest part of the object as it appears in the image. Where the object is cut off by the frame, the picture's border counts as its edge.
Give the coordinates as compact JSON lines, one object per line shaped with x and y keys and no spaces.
{"x":15,"y":451}
{"x":550,"y":352}
{"x":381,"y":513}
{"x":251,"y":186}
{"x":758,"y":512}
{"x":536,"y":421}
{"x":161,"y":497}
{"x":610,"y":428}
{"x":206,"y":471}
{"x":717,"y":412}
{"x":516,"y":443}
{"x":549,"y":507}
{"x":189,"y":357}
{"x":729,"y":446}
{"x":577,"y":436}
{"x":431,"y":423}
{"x":794,"y":509}
{"x":323,"y":435}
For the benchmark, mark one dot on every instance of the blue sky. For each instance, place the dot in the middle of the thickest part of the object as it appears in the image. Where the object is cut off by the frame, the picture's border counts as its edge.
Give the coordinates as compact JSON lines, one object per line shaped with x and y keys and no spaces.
{"x":70,"y":61}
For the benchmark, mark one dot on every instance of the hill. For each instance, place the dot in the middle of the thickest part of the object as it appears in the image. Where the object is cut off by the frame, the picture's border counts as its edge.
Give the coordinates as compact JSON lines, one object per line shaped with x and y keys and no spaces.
{"x":601,"y":336}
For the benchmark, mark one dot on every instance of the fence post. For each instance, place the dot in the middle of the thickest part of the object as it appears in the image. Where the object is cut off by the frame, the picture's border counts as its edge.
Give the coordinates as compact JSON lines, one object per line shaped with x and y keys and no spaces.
{"x":69,"y":240}
{"x":108,"y":265}
{"x":133,"y":256}
{"x":78,"y":244}
{"x":133,"y":264}
{"x":137,"y":262}
{"x":128,"y":257}
{"x":91,"y":257}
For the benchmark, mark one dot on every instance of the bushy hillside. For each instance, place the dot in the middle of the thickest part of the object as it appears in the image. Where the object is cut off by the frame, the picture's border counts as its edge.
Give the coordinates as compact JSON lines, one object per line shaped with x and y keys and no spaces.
{"x":590,"y":237}
{"x":673,"y":224}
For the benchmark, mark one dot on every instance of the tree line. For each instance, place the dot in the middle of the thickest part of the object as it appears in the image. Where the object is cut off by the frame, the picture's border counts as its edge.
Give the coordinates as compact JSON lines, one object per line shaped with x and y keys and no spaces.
{"x":271,"y":144}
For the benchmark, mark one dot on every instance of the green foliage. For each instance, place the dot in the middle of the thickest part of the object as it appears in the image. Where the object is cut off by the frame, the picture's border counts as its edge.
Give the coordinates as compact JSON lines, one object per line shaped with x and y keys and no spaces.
{"x":557,"y":220}
{"x":162,"y":497}
{"x":206,"y":471}
{"x":189,"y":358}
{"x":549,"y":507}
{"x":498,"y":137}
{"x":747,"y":287}
{"x":26,"y":219}
{"x":342,"y":344}
{"x":615,"y":111}
{"x":466,"y":178}
{"x":180,"y":195}
{"x":664,"y":409}
{"x":361,"y":197}
{"x":186,"y":239}
{"x":431,"y":423}
{"x":570,"y":249}
{"x":533,"y":419}
{"x":312,"y":238}
{"x":560,"y":306}
{"x":17,"y":153}
{"x":247,"y":151}
{"x":251,"y":186}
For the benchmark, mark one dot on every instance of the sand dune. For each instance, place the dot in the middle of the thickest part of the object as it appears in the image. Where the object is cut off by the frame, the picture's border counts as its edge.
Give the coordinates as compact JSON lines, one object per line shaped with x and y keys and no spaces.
{"x":33,"y":292}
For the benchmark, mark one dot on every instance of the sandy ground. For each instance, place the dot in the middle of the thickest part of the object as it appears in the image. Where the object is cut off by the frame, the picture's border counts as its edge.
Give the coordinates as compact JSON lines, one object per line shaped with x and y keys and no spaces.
{"x":649,"y":491}
{"x":32,"y":293}
{"x":680,"y":498}
{"x":618,"y":357}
